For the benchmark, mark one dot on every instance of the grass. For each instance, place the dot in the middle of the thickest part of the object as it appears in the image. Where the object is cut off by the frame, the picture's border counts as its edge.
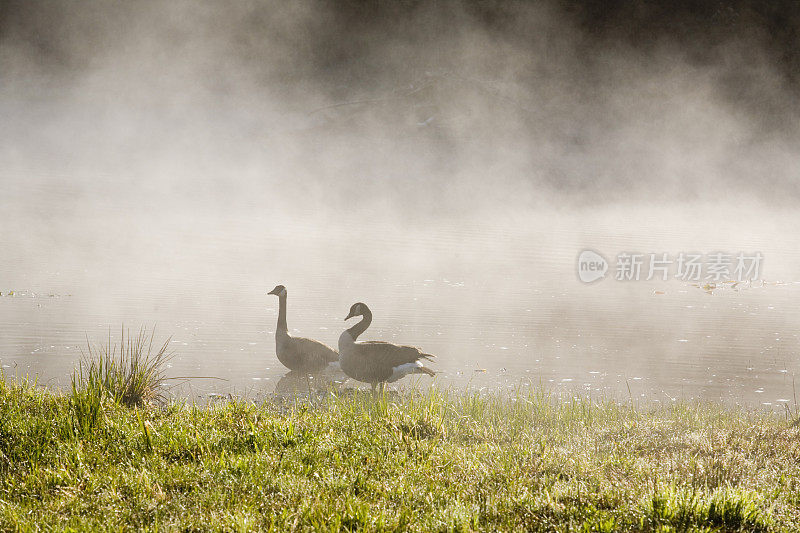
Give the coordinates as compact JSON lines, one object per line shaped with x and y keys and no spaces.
{"x":134,"y":377}
{"x":424,"y":461}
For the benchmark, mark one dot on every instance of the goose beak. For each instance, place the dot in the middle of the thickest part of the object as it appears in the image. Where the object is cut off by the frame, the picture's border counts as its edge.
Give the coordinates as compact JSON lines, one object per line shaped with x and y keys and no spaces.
{"x":349,"y":316}
{"x":273,"y":292}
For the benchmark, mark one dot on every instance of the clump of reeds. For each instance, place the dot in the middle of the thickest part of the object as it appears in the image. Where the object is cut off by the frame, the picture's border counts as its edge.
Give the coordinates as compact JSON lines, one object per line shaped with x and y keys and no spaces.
{"x":134,"y":376}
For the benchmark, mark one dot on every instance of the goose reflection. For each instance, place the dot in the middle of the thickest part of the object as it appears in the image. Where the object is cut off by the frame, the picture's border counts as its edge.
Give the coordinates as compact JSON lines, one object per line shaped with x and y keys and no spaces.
{"x":299,"y":382}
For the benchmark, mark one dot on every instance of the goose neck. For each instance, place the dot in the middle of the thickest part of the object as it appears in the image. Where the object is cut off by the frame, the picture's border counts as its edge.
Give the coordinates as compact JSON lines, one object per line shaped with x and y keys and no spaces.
{"x":282,"y":315}
{"x":363,"y":324}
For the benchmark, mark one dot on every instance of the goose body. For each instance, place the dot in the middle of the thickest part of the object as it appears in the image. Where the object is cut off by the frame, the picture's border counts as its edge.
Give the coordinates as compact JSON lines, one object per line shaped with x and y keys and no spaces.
{"x":377,"y":362}
{"x":298,"y":353}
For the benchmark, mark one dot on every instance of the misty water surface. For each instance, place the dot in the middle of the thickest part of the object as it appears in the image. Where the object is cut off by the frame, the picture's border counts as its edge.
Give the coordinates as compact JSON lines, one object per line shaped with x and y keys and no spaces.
{"x":166,"y":163}
{"x":496,"y":298}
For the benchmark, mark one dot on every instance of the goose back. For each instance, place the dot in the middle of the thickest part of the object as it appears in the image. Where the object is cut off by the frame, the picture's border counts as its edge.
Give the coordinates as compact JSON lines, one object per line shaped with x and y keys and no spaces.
{"x":299,"y":353}
{"x":376,"y":361}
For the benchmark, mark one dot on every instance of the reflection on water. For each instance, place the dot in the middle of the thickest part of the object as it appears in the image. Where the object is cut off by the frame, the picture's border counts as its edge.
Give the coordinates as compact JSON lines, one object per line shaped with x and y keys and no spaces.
{"x":498,"y":302}
{"x":294,"y":382}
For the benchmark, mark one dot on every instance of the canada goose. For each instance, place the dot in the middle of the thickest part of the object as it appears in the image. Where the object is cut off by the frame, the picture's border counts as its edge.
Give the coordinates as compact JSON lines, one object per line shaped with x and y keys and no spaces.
{"x":298,"y":353}
{"x":376,"y":362}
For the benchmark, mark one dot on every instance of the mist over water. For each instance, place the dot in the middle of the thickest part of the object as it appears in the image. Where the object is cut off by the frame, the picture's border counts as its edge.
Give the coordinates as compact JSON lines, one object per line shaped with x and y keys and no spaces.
{"x":169,"y":163}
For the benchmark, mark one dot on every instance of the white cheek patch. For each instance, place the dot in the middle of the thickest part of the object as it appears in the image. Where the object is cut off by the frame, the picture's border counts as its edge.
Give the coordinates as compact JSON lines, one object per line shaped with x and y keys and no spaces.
{"x":283,"y":292}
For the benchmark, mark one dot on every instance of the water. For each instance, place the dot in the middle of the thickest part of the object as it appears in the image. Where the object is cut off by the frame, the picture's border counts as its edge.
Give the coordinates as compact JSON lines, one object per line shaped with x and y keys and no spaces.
{"x":493,"y":294}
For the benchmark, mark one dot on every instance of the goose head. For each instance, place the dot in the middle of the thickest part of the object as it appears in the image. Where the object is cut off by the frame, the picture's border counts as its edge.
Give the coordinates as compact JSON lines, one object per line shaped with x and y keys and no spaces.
{"x":357,"y":309}
{"x":279,"y":290}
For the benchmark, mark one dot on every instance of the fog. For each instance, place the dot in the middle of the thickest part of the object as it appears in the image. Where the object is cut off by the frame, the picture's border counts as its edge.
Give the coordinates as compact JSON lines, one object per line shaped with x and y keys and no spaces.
{"x":169,"y":162}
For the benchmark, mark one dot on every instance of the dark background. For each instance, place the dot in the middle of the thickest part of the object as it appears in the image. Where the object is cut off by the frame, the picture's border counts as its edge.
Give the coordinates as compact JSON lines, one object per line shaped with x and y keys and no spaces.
{"x":698,"y":28}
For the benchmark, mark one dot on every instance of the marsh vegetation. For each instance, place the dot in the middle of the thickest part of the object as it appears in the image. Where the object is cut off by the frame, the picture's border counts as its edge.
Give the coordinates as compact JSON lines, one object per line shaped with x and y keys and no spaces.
{"x":422,"y":460}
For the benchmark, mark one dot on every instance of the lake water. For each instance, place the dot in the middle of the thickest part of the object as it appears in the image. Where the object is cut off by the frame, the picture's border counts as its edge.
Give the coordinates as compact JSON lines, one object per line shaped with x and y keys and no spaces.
{"x":494,"y":295}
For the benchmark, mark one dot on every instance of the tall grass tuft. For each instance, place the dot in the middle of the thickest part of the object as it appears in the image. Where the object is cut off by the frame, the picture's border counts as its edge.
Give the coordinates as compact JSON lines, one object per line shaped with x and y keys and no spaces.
{"x":86,"y":404}
{"x":133,"y":377}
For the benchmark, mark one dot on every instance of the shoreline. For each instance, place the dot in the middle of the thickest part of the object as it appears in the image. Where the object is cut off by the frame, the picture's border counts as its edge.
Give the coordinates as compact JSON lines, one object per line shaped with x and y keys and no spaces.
{"x":419,"y":461}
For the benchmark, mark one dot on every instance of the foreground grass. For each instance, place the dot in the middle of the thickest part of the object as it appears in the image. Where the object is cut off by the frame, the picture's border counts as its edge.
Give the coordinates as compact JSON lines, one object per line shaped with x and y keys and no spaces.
{"x":132,"y":377}
{"x":429,"y":461}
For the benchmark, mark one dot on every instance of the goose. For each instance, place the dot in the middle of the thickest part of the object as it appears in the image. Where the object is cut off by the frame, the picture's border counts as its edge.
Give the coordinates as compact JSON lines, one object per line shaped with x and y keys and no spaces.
{"x":376,"y":362}
{"x":298,"y":353}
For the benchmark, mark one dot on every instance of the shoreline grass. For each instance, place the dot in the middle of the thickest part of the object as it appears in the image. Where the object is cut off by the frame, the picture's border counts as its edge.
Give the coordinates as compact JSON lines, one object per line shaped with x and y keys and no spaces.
{"x":133,"y":377}
{"x":420,"y":461}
